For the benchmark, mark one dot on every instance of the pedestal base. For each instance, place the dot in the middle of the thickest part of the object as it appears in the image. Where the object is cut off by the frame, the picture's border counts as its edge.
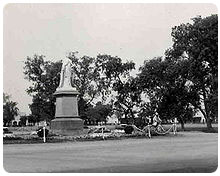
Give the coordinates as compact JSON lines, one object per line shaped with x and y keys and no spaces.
{"x":67,"y":126}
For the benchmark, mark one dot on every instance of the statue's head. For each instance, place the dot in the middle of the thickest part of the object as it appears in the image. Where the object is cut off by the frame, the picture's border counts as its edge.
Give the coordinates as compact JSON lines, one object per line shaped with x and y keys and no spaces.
{"x":66,"y":60}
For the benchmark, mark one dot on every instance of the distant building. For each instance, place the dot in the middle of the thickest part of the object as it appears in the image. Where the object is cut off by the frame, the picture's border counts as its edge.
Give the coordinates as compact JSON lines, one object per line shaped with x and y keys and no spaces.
{"x":16,"y":121}
{"x":199,"y":118}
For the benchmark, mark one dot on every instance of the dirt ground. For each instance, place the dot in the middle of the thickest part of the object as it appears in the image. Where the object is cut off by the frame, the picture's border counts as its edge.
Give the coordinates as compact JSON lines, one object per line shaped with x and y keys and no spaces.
{"x":186,"y":152}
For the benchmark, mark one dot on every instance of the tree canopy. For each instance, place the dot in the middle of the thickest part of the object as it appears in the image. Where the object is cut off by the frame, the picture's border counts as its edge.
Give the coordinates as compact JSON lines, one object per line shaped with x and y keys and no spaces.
{"x":164,"y":82}
{"x":44,"y":76}
{"x":118,"y":77}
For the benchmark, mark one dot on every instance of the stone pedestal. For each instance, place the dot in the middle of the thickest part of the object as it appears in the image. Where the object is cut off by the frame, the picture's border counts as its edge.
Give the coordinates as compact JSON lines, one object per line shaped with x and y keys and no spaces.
{"x":67,"y":121}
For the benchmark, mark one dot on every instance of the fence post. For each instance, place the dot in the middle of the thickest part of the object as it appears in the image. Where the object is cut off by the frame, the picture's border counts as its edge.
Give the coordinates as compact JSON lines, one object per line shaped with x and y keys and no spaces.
{"x":44,"y":137}
{"x":44,"y":131}
{"x":149,"y":134}
{"x":174,"y":125}
{"x":103,"y":134}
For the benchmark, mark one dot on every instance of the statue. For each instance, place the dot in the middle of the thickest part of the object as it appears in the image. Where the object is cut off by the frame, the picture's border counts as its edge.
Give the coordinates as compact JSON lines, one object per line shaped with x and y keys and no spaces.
{"x":67,"y":119}
{"x":66,"y":75}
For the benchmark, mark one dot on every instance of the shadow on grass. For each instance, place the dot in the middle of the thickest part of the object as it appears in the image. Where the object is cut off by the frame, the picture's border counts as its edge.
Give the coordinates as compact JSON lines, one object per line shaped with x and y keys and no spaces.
{"x":201,"y":129}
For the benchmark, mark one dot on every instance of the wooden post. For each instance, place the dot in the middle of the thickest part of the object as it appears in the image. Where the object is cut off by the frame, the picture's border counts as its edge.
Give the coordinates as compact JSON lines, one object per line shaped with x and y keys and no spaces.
{"x":44,"y":137}
{"x":149,"y":134}
{"x":174,"y":126}
{"x":44,"y":132}
{"x":103,"y":134}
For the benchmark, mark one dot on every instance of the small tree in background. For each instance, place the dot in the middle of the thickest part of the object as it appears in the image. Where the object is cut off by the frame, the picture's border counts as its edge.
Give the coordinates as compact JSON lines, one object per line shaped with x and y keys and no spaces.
{"x":10,"y":110}
{"x":23,"y":121}
{"x":98,"y":113}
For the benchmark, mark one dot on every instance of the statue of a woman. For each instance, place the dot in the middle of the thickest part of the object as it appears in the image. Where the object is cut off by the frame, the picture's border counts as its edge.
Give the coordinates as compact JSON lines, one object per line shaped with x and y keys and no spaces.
{"x":66,"y":74}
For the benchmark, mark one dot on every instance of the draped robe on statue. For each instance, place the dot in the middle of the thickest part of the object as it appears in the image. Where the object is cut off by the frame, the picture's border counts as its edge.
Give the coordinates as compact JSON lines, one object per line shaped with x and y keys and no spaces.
{"x":66,"y":75}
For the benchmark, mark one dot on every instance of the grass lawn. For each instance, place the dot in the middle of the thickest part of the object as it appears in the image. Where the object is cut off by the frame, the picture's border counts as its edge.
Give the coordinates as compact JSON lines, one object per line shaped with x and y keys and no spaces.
{"x":23,"y":134}
{"x":184,"y":152}
{"x":198,"y":127}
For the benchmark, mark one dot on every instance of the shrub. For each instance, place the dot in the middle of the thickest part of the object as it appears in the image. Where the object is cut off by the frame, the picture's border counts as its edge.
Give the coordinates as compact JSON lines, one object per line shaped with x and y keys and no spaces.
{"x":12,"y":138}
{"x":128,"y":129}
{"x":40,"y":132}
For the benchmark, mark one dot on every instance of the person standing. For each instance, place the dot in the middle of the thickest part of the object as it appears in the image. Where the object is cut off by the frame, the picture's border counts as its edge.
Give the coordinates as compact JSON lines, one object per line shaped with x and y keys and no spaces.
{"x":156,"y":120}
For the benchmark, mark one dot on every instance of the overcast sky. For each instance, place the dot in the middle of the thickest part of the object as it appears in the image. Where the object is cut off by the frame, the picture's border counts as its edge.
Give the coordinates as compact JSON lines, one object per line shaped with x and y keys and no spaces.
{"x":131,"y":31}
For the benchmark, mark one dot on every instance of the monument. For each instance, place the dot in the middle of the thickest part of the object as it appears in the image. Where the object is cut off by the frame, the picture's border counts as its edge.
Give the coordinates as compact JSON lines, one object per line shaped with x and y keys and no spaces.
{"x":67,"y":119}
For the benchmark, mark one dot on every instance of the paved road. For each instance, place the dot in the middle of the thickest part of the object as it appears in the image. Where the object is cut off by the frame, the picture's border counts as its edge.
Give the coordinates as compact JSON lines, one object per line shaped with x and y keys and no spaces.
{"x":187,"y":152}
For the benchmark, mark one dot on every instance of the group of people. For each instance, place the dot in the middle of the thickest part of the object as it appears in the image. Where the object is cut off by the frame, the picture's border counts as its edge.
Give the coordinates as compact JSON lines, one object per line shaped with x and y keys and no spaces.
{"x":155,"y":121}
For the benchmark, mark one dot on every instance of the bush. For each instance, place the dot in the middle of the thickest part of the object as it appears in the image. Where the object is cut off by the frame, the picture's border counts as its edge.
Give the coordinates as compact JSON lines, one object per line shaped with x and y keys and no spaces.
{"x":12,"y":138}
{"x":40,"y":132}
{"x":128,"y":129}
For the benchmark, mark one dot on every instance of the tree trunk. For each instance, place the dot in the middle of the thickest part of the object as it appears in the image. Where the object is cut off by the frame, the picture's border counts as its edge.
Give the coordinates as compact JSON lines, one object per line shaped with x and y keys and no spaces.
{"x":207,"y":116}
{"x":132,"y":116}
{"x":182,"y":124}
{"x":209,"y":123}
{"x":126,"y":117}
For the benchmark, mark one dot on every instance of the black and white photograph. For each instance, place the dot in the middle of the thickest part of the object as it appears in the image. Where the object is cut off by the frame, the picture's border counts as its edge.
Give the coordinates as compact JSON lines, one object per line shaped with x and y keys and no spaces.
{"x":110,"y":88}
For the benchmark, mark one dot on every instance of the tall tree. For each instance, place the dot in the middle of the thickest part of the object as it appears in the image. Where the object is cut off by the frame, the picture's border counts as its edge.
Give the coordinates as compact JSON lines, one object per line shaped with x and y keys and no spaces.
{"x":44,"y":76}
{"x":198,"y":43}
{"x":164,"y":82}
{"x":86,"y":79}
{"x":121,"y":84}
{"x":10,"y":109}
